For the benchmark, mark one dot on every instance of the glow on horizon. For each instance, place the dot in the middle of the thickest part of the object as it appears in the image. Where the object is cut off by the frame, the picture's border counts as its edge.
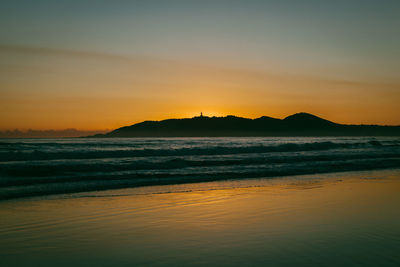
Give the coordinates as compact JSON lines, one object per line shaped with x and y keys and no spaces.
{"x":90,"y":91}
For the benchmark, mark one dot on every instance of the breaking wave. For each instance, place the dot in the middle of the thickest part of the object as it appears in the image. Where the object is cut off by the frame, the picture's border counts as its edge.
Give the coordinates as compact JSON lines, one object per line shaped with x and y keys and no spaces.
{"x":42,"y":167}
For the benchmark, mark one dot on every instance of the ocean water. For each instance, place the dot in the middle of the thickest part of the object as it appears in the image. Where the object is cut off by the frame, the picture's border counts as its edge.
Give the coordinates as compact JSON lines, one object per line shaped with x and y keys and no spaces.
{"x":40,"y":167}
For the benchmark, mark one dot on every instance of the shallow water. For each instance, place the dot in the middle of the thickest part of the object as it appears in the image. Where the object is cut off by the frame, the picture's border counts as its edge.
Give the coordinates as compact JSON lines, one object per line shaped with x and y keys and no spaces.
{"x":32,"y":167}
{"x":337,"y":219}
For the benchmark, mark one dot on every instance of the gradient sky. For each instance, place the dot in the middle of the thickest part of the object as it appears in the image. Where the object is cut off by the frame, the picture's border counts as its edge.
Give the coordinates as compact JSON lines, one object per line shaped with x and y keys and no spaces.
{"x":104,"y":64}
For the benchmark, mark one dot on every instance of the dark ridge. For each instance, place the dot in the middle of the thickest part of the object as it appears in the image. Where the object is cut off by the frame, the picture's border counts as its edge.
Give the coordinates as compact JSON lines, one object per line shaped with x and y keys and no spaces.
{"x":302,"y":118}
{"x":299,"y":124}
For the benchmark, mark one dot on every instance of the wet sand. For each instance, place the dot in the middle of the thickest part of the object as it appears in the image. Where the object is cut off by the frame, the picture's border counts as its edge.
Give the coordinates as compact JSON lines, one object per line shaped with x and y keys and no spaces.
{"x":341,"y":219}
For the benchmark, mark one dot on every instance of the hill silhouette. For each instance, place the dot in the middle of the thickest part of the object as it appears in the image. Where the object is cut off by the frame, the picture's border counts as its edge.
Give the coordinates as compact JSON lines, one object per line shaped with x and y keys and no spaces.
{"x":299,"y":124}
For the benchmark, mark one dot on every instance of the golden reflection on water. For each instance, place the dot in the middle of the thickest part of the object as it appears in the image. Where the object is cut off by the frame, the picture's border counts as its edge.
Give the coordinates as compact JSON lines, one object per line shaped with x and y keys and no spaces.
{"x":291,"y":222}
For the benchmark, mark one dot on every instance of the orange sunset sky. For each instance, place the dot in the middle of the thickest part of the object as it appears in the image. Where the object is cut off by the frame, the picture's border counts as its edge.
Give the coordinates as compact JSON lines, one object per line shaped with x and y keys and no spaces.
{"x":95,"y":65}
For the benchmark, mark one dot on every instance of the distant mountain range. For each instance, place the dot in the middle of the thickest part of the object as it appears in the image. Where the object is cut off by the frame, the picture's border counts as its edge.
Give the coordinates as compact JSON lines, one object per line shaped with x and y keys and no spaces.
{"x":299,"y":124}
{"x":47,"y":133}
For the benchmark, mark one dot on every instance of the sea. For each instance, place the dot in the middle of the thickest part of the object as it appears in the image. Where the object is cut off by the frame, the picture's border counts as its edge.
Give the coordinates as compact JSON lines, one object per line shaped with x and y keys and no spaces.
{"x":200,"y":202}
{"x":39,"y":167}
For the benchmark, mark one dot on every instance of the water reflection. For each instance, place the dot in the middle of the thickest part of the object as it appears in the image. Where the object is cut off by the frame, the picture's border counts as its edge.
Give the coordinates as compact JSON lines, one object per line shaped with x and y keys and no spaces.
{"x":326,"y":222}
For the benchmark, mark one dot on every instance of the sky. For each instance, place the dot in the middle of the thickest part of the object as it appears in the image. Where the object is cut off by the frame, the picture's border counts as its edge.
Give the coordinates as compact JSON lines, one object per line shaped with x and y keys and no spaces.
{"x":94,"y":65}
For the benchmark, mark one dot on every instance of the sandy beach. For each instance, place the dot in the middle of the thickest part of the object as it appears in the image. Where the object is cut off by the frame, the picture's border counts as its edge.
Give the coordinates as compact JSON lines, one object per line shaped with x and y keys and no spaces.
{"x":339,"y":219}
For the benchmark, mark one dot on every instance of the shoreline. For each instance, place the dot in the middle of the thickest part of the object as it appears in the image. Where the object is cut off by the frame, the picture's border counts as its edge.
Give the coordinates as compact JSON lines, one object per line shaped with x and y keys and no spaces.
{"x":341,"y":219}
{"x":212,"y":185}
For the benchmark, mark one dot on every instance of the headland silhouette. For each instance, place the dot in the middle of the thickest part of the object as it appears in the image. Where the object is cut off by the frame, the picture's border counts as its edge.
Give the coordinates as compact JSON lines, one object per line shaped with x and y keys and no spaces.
{"x":299,"y":124}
